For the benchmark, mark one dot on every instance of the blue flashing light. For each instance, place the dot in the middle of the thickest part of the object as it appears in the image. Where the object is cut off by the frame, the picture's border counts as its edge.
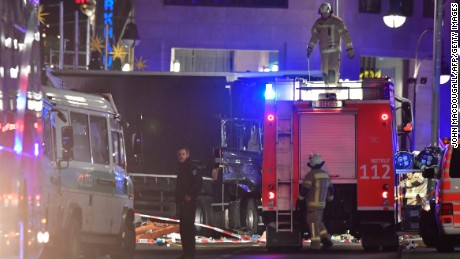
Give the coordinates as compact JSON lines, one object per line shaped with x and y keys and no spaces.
{"x":244,"y":187}
{"x":36,"y":150}
{"x":269,"y":92}
{"x":404,"y":160}
{"x":18,"y":145}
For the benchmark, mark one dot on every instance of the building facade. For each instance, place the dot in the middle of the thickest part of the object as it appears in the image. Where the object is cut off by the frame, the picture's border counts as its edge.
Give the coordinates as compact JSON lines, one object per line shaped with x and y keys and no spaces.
{"x":250,"y":35}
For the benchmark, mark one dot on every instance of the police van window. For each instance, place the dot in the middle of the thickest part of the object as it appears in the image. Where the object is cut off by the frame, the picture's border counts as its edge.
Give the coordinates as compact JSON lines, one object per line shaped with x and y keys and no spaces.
{"x":454,"y":170}
{"x":99,"y":140}
{"x":118,"y":151}
{"x":122,"y":151}
{"x":81,"y":148}
{"x":49,"y":136}
{"x":116,"y":148}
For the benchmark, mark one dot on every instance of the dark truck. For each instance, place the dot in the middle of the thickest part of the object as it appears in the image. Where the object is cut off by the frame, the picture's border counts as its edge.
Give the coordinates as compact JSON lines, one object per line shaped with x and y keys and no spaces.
{"x":211,"y":114}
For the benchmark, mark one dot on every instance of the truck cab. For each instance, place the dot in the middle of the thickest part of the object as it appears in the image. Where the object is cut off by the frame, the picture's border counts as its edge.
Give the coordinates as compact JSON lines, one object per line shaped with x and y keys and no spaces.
{"x":237,"y":175}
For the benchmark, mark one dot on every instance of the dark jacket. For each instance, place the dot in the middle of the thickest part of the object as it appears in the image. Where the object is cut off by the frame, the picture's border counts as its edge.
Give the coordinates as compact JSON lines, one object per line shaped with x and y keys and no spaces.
{"x":189,"y":181}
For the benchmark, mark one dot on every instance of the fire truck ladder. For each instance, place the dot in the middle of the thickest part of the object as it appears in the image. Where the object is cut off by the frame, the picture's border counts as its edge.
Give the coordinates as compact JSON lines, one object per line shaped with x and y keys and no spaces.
{"x":284,"y":168}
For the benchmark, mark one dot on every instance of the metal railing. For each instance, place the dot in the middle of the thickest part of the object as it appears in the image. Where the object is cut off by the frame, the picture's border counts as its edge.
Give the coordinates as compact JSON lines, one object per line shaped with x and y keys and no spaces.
{"x":69,"y":60}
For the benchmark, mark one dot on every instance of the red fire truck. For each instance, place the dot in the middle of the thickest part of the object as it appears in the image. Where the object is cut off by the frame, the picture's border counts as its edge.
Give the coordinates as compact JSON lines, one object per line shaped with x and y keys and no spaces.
{"x":354,"y":128}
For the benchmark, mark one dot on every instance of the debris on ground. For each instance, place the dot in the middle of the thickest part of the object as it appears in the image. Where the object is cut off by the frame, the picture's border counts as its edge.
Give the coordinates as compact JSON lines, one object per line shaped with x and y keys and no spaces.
{"x":410,"y":241}
{"x":154,"y":230}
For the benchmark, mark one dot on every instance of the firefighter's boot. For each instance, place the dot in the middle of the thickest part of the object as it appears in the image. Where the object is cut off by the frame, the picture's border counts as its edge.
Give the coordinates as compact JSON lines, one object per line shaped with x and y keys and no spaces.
{"x":327,"y":243}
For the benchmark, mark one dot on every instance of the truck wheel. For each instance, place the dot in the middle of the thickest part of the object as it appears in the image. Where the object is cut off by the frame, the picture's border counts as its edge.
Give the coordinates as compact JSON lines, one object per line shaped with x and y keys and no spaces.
{"x":428,"y":228}
{"x":128,"y":244}
{"x":72,"y":244}
{"x":251,"y":217}
{"x":203,"y":215}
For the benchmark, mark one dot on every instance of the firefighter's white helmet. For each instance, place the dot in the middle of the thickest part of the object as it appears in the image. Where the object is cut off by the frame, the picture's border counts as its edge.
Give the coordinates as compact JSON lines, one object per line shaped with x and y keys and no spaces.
{"x":325,"y":8}
{"x":315,"y":160}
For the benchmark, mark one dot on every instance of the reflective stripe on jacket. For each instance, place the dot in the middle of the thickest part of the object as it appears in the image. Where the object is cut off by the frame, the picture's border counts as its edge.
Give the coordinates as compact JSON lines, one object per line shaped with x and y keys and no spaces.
{"x":318,"y":182}
{"x":328,"y":33}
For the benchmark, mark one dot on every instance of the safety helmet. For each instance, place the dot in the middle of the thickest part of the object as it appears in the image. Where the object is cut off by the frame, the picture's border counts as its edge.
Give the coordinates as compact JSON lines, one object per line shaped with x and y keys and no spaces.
{"x":325,"y":8}
{"x":315,"y":161}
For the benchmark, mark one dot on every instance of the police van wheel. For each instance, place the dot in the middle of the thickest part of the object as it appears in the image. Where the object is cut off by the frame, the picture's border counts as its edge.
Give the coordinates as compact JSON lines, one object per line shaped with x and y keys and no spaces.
{"x":72,"y":248}
{"x":50,"y":252}
{"x":128,"y":244}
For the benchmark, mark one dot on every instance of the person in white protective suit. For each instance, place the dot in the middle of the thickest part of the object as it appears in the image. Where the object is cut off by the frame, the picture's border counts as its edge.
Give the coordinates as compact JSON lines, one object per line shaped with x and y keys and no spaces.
{"x":416,"y":188}
{"x":317,"y":189}
{"x":328,"y":30}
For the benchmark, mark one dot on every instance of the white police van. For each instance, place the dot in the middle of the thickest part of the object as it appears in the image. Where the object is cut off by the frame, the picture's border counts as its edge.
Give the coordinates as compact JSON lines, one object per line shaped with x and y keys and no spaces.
{"x":90,"y":202}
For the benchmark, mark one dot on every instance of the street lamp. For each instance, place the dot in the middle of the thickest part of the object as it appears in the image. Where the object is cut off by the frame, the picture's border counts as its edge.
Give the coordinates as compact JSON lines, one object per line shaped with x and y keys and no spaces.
{"x":437,"y":62}
{"x":413,"y":80}
{"x":394,"y":18}
{"x":130,"y":37}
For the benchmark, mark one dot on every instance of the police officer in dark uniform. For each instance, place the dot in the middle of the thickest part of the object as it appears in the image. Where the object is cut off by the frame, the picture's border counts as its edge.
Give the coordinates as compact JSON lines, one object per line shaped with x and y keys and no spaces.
{"x":188,"y":185}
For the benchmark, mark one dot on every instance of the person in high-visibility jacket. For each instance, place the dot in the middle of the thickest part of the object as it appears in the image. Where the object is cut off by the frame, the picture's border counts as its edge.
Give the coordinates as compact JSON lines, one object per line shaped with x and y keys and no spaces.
{"x":317,"y":189}
{"x":328,"y":30}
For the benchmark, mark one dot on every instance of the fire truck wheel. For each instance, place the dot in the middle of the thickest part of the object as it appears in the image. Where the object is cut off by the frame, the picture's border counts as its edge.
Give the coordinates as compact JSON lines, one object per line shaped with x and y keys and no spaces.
{"x":72,"y":247}
{"x":251,"y":217}
{"x":390,"y":240}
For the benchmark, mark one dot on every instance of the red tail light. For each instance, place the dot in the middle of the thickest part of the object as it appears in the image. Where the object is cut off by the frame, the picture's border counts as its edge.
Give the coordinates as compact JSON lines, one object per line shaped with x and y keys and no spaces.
{"x":447,"y":209}
{"x":384,"y":116}
{"x":271,"y":195}
{"x":385,"y":194}
{"x":270,"y":117}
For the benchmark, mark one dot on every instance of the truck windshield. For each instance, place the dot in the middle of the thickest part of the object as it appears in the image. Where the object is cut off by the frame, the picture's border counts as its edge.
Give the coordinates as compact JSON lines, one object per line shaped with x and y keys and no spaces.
{"x":242,"y":135}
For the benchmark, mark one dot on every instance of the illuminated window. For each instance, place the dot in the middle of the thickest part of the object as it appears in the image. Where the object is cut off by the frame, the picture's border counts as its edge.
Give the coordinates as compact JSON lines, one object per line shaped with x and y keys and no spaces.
{"x":370,"y":6}
{"x":231,"y":3}
{"x":216,"y":60}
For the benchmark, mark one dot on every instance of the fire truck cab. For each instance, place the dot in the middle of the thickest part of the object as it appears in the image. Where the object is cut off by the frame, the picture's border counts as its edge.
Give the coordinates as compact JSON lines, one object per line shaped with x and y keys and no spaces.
{"x":354,"y":128}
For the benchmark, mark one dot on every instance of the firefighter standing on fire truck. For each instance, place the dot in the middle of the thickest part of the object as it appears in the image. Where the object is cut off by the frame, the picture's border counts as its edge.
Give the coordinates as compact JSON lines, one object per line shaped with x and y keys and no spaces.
{"x":317,"y":188}
{"x":328,"y":30}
